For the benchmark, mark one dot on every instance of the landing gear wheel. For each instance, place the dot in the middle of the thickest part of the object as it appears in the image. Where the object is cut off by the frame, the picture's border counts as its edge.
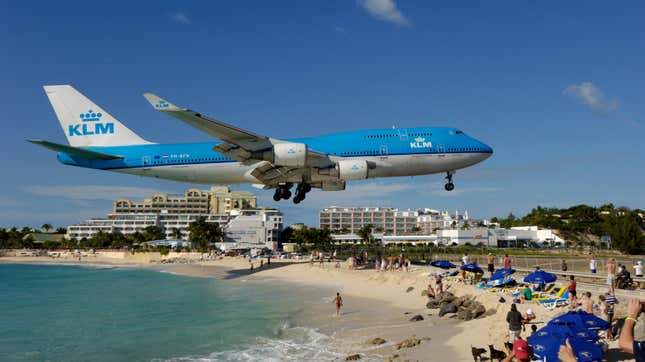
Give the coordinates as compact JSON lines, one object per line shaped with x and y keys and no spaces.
{"x":449,"y":186}
{"x":297,"y":199}
{"x":277,"y":196}
{"x":286,"y":194}
{"x":306,"y":188}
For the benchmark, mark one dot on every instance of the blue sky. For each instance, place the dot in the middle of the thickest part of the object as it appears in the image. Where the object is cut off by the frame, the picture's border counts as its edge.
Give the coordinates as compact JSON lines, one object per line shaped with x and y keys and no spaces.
{"x":556,"y":89}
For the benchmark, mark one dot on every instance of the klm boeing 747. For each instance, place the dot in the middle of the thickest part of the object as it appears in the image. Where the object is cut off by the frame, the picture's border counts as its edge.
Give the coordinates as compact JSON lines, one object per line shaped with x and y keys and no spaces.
{"x":98,"y":140}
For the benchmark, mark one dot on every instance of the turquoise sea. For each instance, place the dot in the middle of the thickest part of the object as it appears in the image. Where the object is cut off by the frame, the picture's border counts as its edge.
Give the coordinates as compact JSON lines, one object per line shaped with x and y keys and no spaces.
{"x":73,"y":313}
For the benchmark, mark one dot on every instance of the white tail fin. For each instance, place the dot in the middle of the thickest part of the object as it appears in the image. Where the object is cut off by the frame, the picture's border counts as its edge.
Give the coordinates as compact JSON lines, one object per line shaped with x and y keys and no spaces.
{"x":86,"y":124}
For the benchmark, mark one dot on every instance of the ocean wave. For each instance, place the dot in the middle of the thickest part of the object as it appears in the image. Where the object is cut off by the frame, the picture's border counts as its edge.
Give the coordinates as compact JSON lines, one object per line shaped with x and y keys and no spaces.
{"x":293,"y":344}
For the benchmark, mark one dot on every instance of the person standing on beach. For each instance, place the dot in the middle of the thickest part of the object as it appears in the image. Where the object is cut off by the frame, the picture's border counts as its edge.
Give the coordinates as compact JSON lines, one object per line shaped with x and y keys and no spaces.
{"x":611,"y":275}
{"x":573,"y":303}
{"x":507,"y":262}
{"x":438,"y":284}
{"x":638,"y":269}
{"x":490,"y":260}
{"x":514,"y":319}
{"x":592,"y":265}
{"x":464,"y":259}
{"x":563,"y":266}
{"x":611,"y":301}
{"x":339,"y":303}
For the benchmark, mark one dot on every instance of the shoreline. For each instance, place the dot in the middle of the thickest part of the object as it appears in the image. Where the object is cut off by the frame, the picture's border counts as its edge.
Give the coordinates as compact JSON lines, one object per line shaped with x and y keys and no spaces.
{"x":376,"y":305}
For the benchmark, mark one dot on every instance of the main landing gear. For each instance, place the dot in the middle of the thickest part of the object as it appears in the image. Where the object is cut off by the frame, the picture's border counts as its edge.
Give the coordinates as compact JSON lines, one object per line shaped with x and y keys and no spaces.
{"x":283,"y":192}
{"x":449,"y":185}
{"x":301,"y":192}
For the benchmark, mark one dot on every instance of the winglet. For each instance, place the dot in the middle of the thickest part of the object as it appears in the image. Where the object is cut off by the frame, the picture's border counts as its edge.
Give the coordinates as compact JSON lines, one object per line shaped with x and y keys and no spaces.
{"x":160,"y":104}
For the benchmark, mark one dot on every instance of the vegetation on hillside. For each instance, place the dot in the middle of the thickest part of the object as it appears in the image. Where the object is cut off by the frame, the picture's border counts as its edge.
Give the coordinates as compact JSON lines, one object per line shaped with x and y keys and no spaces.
{"x":583,"y":224}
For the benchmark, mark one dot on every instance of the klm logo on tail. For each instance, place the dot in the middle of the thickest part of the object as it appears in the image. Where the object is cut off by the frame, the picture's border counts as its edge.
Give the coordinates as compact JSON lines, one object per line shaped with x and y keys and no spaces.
{"x":91,"y":125}
{"x":162,"y":104}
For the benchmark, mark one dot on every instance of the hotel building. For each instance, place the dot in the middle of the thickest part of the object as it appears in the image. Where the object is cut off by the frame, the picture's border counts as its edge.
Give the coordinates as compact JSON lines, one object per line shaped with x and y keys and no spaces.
{"x":244,"y":226}
{"x":389,"y":221}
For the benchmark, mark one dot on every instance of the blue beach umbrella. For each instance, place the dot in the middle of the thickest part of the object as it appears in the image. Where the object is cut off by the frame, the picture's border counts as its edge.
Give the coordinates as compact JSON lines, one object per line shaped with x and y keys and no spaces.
{"x":501,"y":274}
{"x":443,"y":264}
{"x":582,"y":319}
{"x":546,"y":343}
{"x":540,"y":277}
{"x":473,"y":268}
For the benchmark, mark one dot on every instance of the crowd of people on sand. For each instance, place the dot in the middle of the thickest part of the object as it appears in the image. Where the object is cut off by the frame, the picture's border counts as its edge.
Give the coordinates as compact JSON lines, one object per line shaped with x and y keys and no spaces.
{"x":603,"y":307}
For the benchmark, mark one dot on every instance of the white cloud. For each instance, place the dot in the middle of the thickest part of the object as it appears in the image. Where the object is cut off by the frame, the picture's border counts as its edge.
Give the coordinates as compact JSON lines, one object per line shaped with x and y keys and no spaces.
{"x":91,"y":192}
{"x":592,"y":96}
{"x":179,"y":17}
{"x":385,"y":10}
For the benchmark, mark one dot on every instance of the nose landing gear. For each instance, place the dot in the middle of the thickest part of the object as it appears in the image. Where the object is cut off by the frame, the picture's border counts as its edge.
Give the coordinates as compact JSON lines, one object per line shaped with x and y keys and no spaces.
{"x":449,"y":186}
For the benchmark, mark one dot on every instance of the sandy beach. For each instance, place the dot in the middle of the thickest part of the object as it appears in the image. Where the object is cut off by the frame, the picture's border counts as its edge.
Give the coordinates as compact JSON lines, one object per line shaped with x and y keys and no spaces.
{"x":375,"y":305}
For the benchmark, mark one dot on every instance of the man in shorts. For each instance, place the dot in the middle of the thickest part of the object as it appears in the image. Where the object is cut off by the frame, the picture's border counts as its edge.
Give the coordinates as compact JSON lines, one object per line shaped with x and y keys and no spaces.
{"x":490,"y":260}
{"x":611,"y":275}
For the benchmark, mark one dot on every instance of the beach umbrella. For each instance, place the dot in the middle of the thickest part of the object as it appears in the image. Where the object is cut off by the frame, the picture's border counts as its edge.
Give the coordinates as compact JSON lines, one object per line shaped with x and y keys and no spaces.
{"x":443,"y":264}
{"x":546,"y":343}
{"x":473,"y":268}
{"x":501,"y":274}
{"x":540,"y":277}
{"x":582,"y":320}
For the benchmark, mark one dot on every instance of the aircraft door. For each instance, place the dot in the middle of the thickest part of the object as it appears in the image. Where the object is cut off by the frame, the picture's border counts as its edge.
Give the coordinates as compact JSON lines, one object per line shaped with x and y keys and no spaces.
{"x":146,"y":161}
{"x":383,"y":150}
{"x":403,"y":134}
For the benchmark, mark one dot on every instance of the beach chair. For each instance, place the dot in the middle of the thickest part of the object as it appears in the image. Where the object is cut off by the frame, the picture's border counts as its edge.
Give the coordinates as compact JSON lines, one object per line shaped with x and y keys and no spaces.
{"x":553,"y":294}
{"x":556,"y":302}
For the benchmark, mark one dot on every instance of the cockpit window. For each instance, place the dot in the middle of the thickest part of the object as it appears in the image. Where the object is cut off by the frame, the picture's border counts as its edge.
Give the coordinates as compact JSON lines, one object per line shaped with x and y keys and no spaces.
{"x":459,"y":132}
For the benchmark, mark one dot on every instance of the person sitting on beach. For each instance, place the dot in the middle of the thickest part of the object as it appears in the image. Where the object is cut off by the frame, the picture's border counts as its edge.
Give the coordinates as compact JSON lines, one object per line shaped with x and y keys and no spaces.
{"x":527,"y":318}
{"x":431,"y":294}
{"x":339,"y":303}
{"x":438,"y":284}
{"x":587,"y":302}
{"x":526,"y":294}
{"x":533,"y":329}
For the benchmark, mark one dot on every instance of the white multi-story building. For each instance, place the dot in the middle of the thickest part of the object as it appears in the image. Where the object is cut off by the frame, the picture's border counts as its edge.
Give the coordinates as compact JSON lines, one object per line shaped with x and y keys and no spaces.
{"x":253,"y":229}
{"x":389,"y":221}
{"x":261,"y":227}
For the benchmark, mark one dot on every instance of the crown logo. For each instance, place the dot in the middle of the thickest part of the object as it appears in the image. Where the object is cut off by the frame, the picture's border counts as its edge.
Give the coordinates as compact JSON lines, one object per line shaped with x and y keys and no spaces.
{"x":162,"y":104}
{"x":419,"y":139}
{"x":90,"y":116}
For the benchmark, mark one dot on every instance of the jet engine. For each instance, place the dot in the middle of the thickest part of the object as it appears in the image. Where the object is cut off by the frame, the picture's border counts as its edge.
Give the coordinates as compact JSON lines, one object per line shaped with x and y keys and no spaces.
{"x":352,"y":169}
{"x":289,"y":154}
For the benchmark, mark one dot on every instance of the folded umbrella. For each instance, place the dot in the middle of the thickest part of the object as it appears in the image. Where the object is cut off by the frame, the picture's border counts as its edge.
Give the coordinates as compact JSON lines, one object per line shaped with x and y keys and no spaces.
{"x":443,"y":264}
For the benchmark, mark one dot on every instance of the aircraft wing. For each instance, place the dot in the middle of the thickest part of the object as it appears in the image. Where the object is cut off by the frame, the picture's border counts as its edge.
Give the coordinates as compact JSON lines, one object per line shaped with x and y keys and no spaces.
{"x":238,"y":144}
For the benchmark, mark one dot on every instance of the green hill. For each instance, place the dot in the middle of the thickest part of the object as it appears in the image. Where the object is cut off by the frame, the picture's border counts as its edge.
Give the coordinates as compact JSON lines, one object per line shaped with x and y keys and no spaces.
{"x":583,"y":224}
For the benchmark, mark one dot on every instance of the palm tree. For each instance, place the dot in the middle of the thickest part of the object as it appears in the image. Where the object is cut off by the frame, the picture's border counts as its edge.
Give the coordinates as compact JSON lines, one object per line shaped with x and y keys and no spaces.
{"x":46,"y":227}
{"x":365,"y":233}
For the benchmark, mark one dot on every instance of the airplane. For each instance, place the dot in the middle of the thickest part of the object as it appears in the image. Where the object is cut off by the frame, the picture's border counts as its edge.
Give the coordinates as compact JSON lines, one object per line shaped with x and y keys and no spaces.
{"x":97,"y":140}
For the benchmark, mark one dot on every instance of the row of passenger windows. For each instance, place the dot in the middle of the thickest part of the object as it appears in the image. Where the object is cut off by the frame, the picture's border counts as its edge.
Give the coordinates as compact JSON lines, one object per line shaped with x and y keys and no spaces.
{"x":397,"y":135}
{"x":189,"y":160}
{"x":356,"y":153}
{"x":465,"y":149}
{"x":382,"y":136}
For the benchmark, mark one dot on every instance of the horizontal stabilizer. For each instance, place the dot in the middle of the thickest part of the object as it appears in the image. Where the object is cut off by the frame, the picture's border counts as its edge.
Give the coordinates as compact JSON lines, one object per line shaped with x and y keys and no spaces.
{"x":75,"y":151}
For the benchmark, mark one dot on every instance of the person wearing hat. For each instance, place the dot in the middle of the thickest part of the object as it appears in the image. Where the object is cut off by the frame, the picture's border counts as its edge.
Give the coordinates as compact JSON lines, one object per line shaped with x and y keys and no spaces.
{"x":527,"y":318}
